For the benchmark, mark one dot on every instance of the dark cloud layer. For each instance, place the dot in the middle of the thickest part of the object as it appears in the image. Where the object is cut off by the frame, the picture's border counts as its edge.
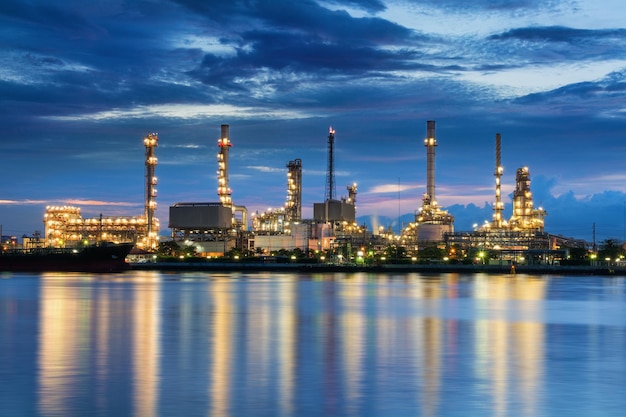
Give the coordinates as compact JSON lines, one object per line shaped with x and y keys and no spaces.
{"x":560,"y":34}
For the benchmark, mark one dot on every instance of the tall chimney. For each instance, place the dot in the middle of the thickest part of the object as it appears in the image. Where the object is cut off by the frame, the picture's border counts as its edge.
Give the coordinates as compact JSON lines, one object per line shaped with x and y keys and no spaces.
{"x":223,"y":190}
{"x":499,"y":206}
{"x":430,"y":142}
{"x":329,"y":193}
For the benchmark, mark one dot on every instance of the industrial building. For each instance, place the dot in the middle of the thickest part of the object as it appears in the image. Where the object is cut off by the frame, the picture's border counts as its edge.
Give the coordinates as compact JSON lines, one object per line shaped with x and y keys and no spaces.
{"x":280,"y":220}
{"x":431,"y":222}
{"x":65,"y":227}
{"x":521,"y":239}
{"x":334,"y":220}
{"x":333,"y":227}
{"x":211,"y":227}
{"x":333,"y":212}
{"x":336,"y":229}
{"x":216,"y":227}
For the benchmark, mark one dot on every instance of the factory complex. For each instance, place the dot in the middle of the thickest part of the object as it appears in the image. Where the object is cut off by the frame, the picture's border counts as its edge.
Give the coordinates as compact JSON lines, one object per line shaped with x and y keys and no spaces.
{"x":217,"y":228}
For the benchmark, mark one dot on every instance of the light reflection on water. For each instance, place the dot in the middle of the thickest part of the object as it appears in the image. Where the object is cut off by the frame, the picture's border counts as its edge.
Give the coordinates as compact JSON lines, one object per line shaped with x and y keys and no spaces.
{"x":225,"y":345}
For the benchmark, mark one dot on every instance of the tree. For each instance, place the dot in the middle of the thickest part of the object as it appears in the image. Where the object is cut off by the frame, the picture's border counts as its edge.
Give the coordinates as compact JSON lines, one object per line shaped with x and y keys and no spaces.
{"x":611,"y":249}
{"x":395,"y":252}
{"x":432,"y":253}
{"x":168,"y":248}
{"x":577,"y":254}
{"x":172,"y":248}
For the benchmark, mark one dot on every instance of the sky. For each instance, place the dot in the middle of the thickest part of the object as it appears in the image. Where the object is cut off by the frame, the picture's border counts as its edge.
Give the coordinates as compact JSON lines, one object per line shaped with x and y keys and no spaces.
{"x":81,"y":84}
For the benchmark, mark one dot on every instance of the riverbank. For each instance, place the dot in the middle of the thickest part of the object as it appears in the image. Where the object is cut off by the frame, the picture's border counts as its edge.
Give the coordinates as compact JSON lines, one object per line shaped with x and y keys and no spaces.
{"x":385,"y":268}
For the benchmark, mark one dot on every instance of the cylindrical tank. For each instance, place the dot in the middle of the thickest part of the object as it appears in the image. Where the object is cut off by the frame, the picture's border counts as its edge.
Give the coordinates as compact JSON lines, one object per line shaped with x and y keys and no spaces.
{"x":432,"y":232}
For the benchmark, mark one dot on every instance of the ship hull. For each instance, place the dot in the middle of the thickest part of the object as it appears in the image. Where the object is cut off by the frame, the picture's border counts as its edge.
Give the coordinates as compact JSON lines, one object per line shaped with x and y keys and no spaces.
{"x":97,"y":258}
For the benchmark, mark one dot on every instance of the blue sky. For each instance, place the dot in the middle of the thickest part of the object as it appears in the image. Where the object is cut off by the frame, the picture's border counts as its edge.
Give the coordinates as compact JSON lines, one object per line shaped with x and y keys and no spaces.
{"x":81,"y":83}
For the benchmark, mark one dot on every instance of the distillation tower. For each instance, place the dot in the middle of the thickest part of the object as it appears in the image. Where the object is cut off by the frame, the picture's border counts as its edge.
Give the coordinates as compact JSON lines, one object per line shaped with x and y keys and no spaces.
{"x":282,"y":220}
{"x":283,"y":228}
{"x":431,"y":221}
{"x":525,"y":216}
{"x":293,"y":205}
{"x":152,"y":223}
{"x":352,"y":191}
{"x":509,"y":240}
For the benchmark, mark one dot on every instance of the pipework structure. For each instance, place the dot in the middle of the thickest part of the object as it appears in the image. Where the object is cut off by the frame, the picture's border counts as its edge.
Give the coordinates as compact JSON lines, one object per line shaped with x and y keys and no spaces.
{"x":352,"y":191}
{"x":151,"y":239}
{"x":521,"y":239}
{"x":279,"y":221}
{"x":270,"y":222}
{"x":223,"y":191}
{"x":293,"y":205}
{"x":525,"y":216}
{"x":66,"y":227}
{"x":330,"y":172}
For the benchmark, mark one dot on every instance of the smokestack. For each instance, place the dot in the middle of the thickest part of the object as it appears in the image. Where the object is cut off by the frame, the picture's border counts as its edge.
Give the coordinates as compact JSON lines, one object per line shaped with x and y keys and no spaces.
{"x":223,"y":190}
{"x":430,"y":142}
{"x":330,"y":172}
{"x":498,"y":207}
{"x":151,"y":141}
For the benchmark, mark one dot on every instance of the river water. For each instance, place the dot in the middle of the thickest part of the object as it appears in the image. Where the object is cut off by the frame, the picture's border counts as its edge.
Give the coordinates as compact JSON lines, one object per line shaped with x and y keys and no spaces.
{"x":278,"y":345}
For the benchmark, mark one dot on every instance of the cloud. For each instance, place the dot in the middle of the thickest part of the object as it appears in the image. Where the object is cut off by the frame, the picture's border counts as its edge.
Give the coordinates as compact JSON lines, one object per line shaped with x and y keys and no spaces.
{"x":75,"y":202}
{"x":184,"y":111}
{"x":509,"y":6}
{"x":371,"y":6}
{"x":267,"y":169}
{"x":20,"y":202}
{"x":184,"y":146}
{"x":391,"y":188}
{"x":81,"y":83}
{"x":560,"y":34}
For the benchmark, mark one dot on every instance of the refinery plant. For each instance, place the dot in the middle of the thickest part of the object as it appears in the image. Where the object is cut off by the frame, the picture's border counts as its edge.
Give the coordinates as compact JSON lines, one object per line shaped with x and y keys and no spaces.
{"x":213,"y":227}
{"x":218,"y":227}
{"x":65,"y":227}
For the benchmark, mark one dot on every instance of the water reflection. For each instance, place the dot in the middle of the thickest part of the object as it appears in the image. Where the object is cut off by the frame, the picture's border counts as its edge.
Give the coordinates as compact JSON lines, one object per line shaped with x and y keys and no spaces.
{"x":91,"y":333}
{"x":146,"y":348}
{"x":510,"y":342}
{"x":150,"y":344}
{"x":60,"y":348}
{"x":222,"y":341}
